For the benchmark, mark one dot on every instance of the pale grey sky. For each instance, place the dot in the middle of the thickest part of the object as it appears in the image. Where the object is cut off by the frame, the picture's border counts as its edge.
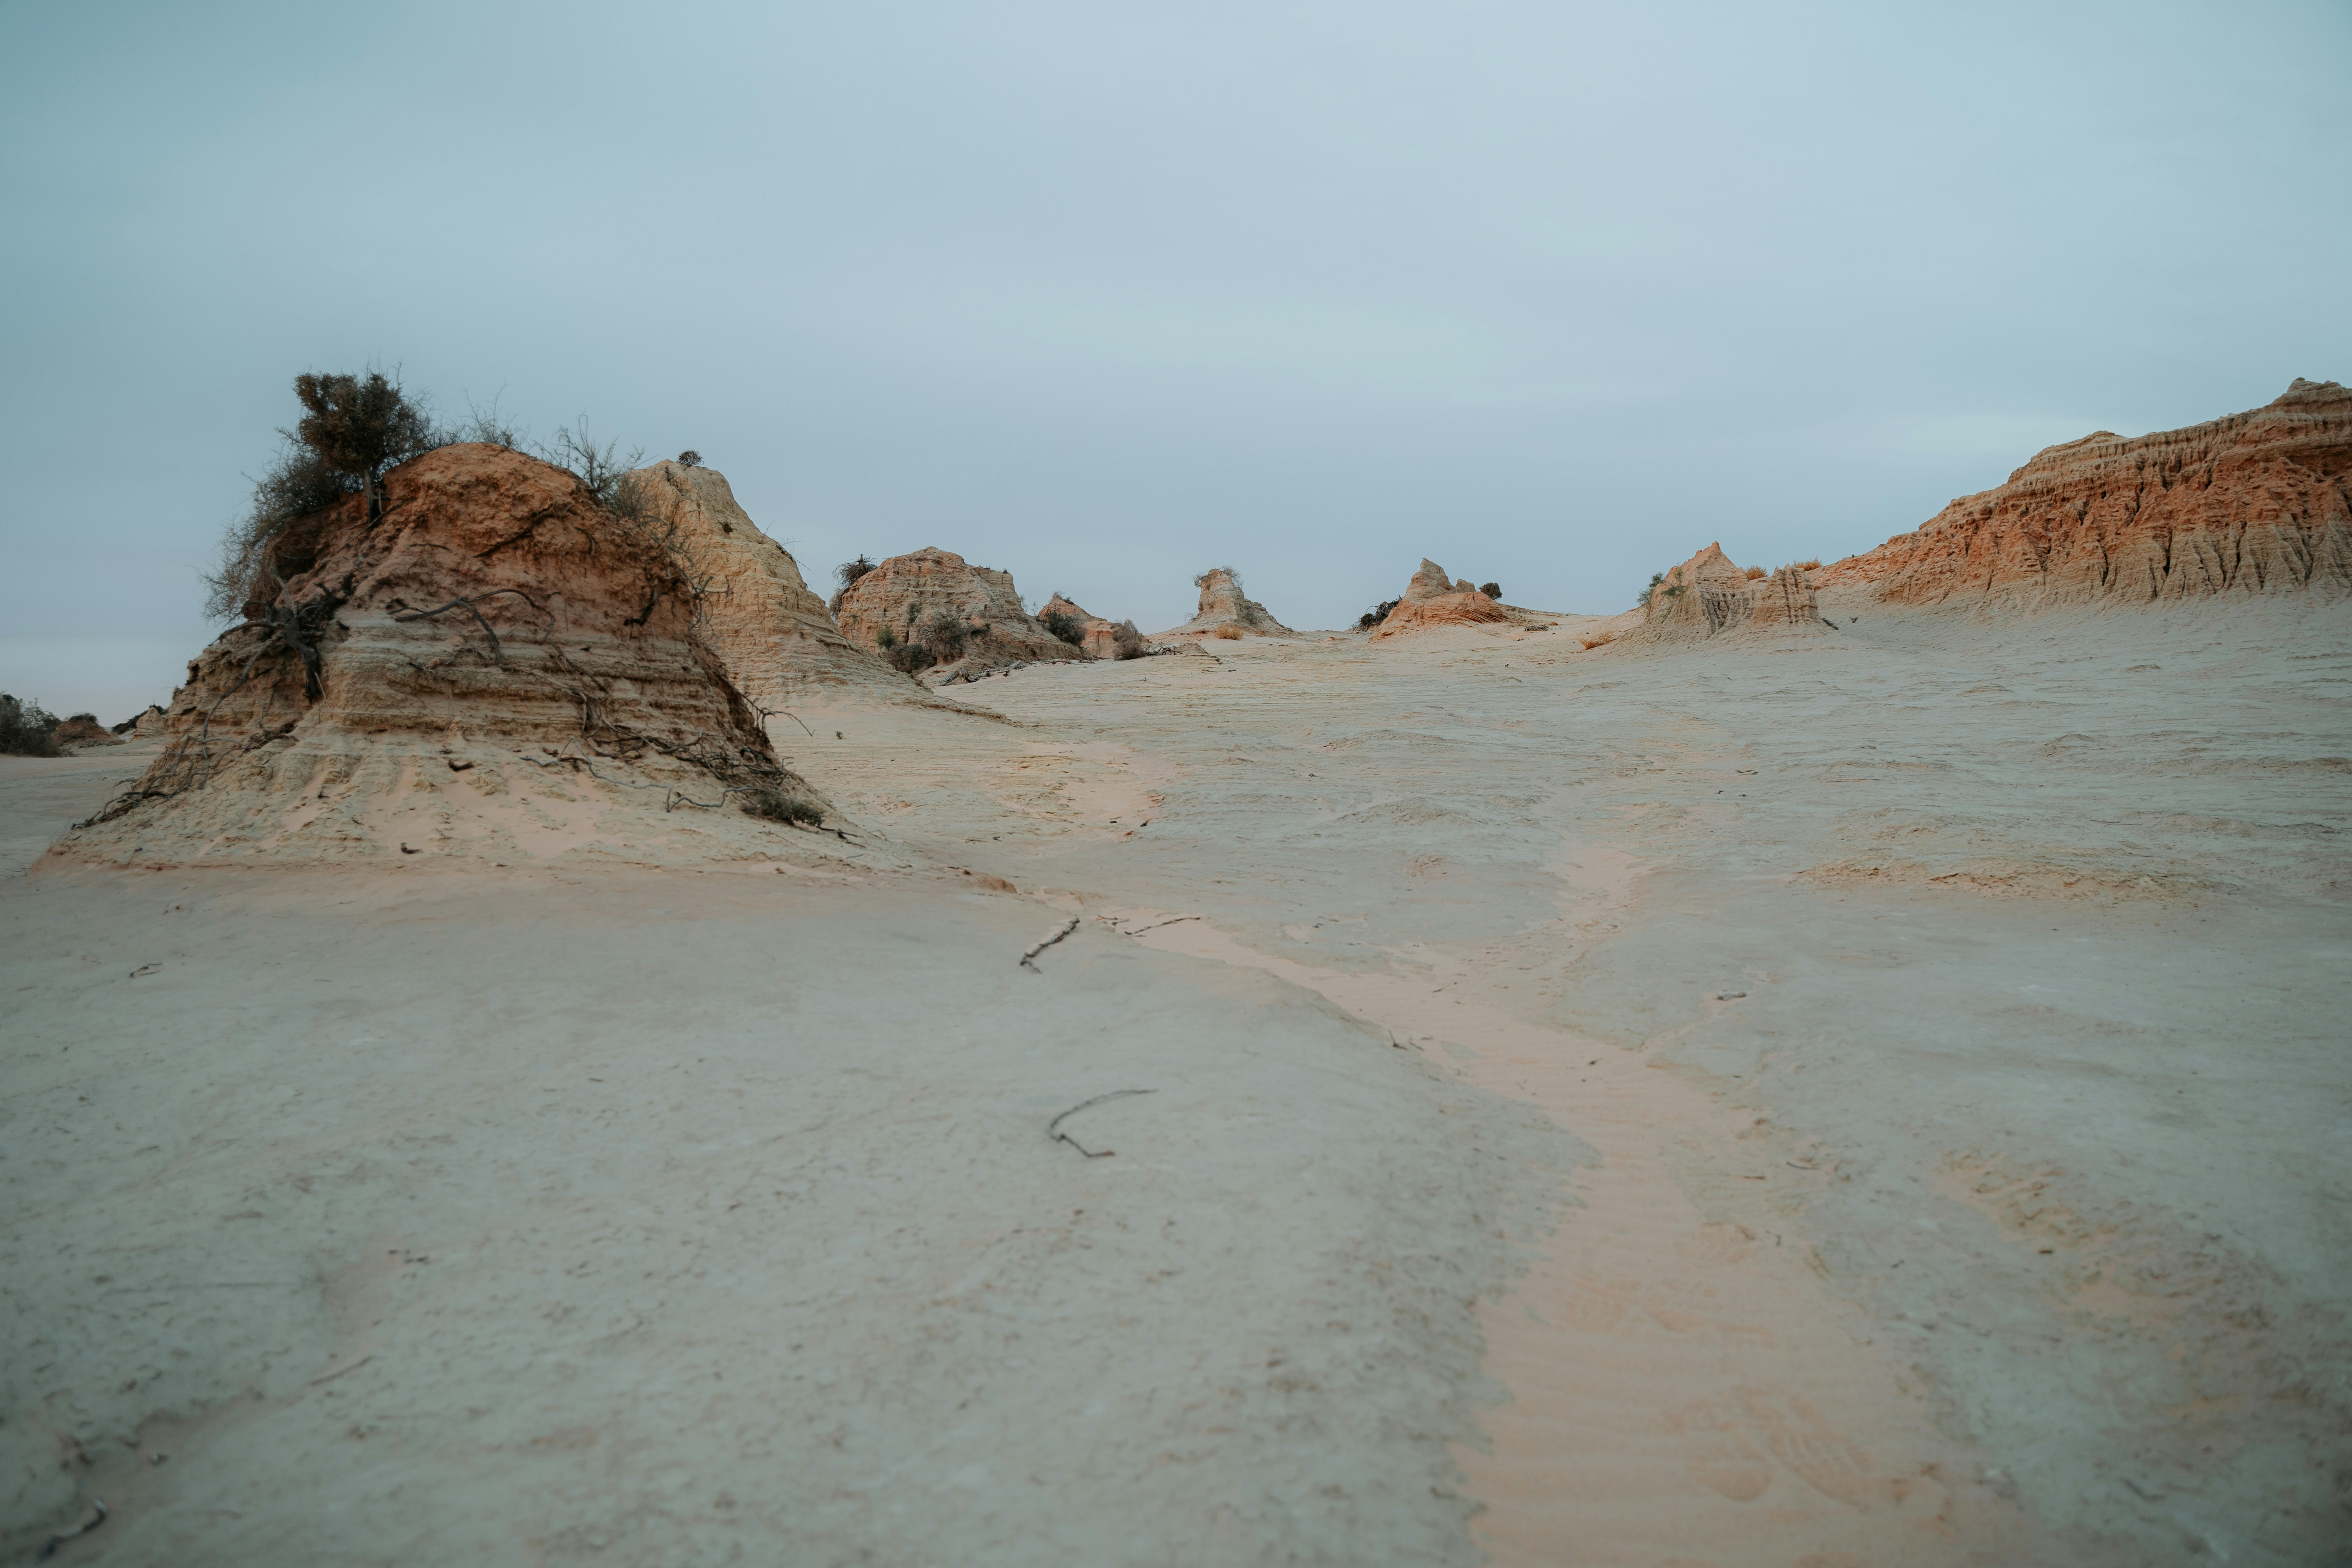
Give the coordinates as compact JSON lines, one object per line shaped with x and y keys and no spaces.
{"x":1108,"y":294}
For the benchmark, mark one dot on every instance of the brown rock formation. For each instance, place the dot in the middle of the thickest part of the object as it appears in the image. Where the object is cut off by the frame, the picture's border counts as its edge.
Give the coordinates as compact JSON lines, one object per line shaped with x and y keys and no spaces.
{"x":772,"y":633}
{"x":495,"y":644}
{"x":1224,"y":605}
{"x":1707,"y":594}
{"x":1785,"y":599}
{"x":1433,"y":599}
{"x":904,"y":593}
{"x":84,"y":729}
{"x":1099,"y":637}
{"x":2253,"y":503}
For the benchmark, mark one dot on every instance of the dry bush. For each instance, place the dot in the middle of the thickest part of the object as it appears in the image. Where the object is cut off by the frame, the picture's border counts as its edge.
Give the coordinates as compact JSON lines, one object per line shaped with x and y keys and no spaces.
{"x":1492,"y":590}
{"x":1229,"y":633}
{"x":908,"y":657}
{"x":949,"y":634}
{"x":775,"y":806}
{"x":1202,"y":580}
{"x":1064,"y":626}
{"x":1126,"y":642}
{"x":1595,"y":639}
{"x":28,"y":728}
{"x":1812,"y":565}
{"x":1376,"y":615}
{"x":353,"y":429}
{"x":1755,"y":573}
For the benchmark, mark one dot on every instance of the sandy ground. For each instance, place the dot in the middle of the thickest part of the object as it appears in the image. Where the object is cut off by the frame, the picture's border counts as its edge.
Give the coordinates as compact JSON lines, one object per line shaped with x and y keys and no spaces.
{"x":1871,"y":1099}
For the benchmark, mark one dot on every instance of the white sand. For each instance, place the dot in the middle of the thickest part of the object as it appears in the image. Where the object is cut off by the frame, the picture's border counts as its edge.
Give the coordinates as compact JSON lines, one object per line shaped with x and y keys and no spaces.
{"x":1870,"y":1100}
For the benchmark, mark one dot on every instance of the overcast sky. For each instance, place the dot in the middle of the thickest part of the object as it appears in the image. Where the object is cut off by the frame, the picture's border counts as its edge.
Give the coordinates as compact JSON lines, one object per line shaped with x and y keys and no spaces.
{"x":1107,"y":294}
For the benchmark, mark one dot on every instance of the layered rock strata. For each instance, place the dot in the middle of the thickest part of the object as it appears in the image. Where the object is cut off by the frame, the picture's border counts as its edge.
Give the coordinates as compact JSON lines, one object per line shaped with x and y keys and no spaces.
{"x":1223,"y":604}
{"x":1708,"y":594}
{"x":1433,"y":599}
{"x":2259,"y":502}
{"x":901,"y":595}
{"x":498,"y":666}
{"x":772,"y":633}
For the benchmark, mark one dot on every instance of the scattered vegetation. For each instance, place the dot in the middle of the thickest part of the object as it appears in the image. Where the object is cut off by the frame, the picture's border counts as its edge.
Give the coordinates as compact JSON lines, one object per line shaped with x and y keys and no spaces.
{"x":1812,"y":565}
{"x":908,"y":657}
{"x":1126,"y":642}
{"x":1066,"y":628}
{"x":689,"y":458}
{"x":28,"y":728}
{"x":775,"y":806}
{"x":947,"y":633}
{"x":1595,"y":639}
{"x":1492,"y":590}
{"x":1233,"y":576}
{"x":352,"y":430}
{"x":1376,"y":615}
{"x":1229,"y":633}
{"x":1755,"y":572}
{"x":887,"y":638}
{"x":1651,"y":592}
{"x":849,"y":572}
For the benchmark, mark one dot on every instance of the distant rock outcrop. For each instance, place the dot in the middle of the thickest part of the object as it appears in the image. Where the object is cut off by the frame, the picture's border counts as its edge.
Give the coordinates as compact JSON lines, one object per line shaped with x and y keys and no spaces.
{"x":1224,"y":605}
{"x":1707,"y":594}
{"x":84,"y":729}
{"x":1098,"y":637}
{"x":499,"y":667}
{"x":758,"y":613}
{"x":1433,"y":599}
{"x":2259,"y":502}
{"x":902,"y":594}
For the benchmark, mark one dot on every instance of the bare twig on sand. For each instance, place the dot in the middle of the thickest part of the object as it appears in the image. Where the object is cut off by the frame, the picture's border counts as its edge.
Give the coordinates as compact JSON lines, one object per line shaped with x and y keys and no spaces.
{"x":62,"y":1537}
{"x":1049,"y":941}
{"x":1053,"y":1128}
{"x":1155,"y":925}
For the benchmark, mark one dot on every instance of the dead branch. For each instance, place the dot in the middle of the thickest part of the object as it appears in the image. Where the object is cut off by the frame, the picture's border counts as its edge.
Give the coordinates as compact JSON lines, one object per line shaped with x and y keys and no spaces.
{"x":1053,"y":1128}
{"x":1047,"y":943}
{"x":49,"y":1546}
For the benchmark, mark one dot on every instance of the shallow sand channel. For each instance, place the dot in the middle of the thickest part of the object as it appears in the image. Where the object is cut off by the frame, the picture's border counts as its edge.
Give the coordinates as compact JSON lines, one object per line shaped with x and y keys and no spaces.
{"x":1867,"y":1100}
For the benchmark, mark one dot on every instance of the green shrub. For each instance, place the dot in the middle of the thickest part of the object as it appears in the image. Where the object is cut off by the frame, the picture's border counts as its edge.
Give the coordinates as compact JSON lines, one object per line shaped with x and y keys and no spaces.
{"x":28,"y":728}
{"x":910,"y":657}
{"x":352,"y":430}
{"x":1066,"y":628}
{"x":947,"y":634}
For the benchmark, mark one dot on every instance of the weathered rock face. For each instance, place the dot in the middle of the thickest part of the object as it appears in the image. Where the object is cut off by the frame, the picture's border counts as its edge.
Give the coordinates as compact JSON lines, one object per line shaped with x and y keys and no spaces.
{"x":148,"y":724}
{"x":1785,"y":599}
{"x":902,"y":594}
{"x":1707,"y":594}
{"x":2258,"y":502}
{"x":1099,"y":637}
{"x":455,"y":680}
{"x":1433,"y":599}
{"x":82,"y":729}
{"x":772,"y":633}
{"x":1224,"y":605}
